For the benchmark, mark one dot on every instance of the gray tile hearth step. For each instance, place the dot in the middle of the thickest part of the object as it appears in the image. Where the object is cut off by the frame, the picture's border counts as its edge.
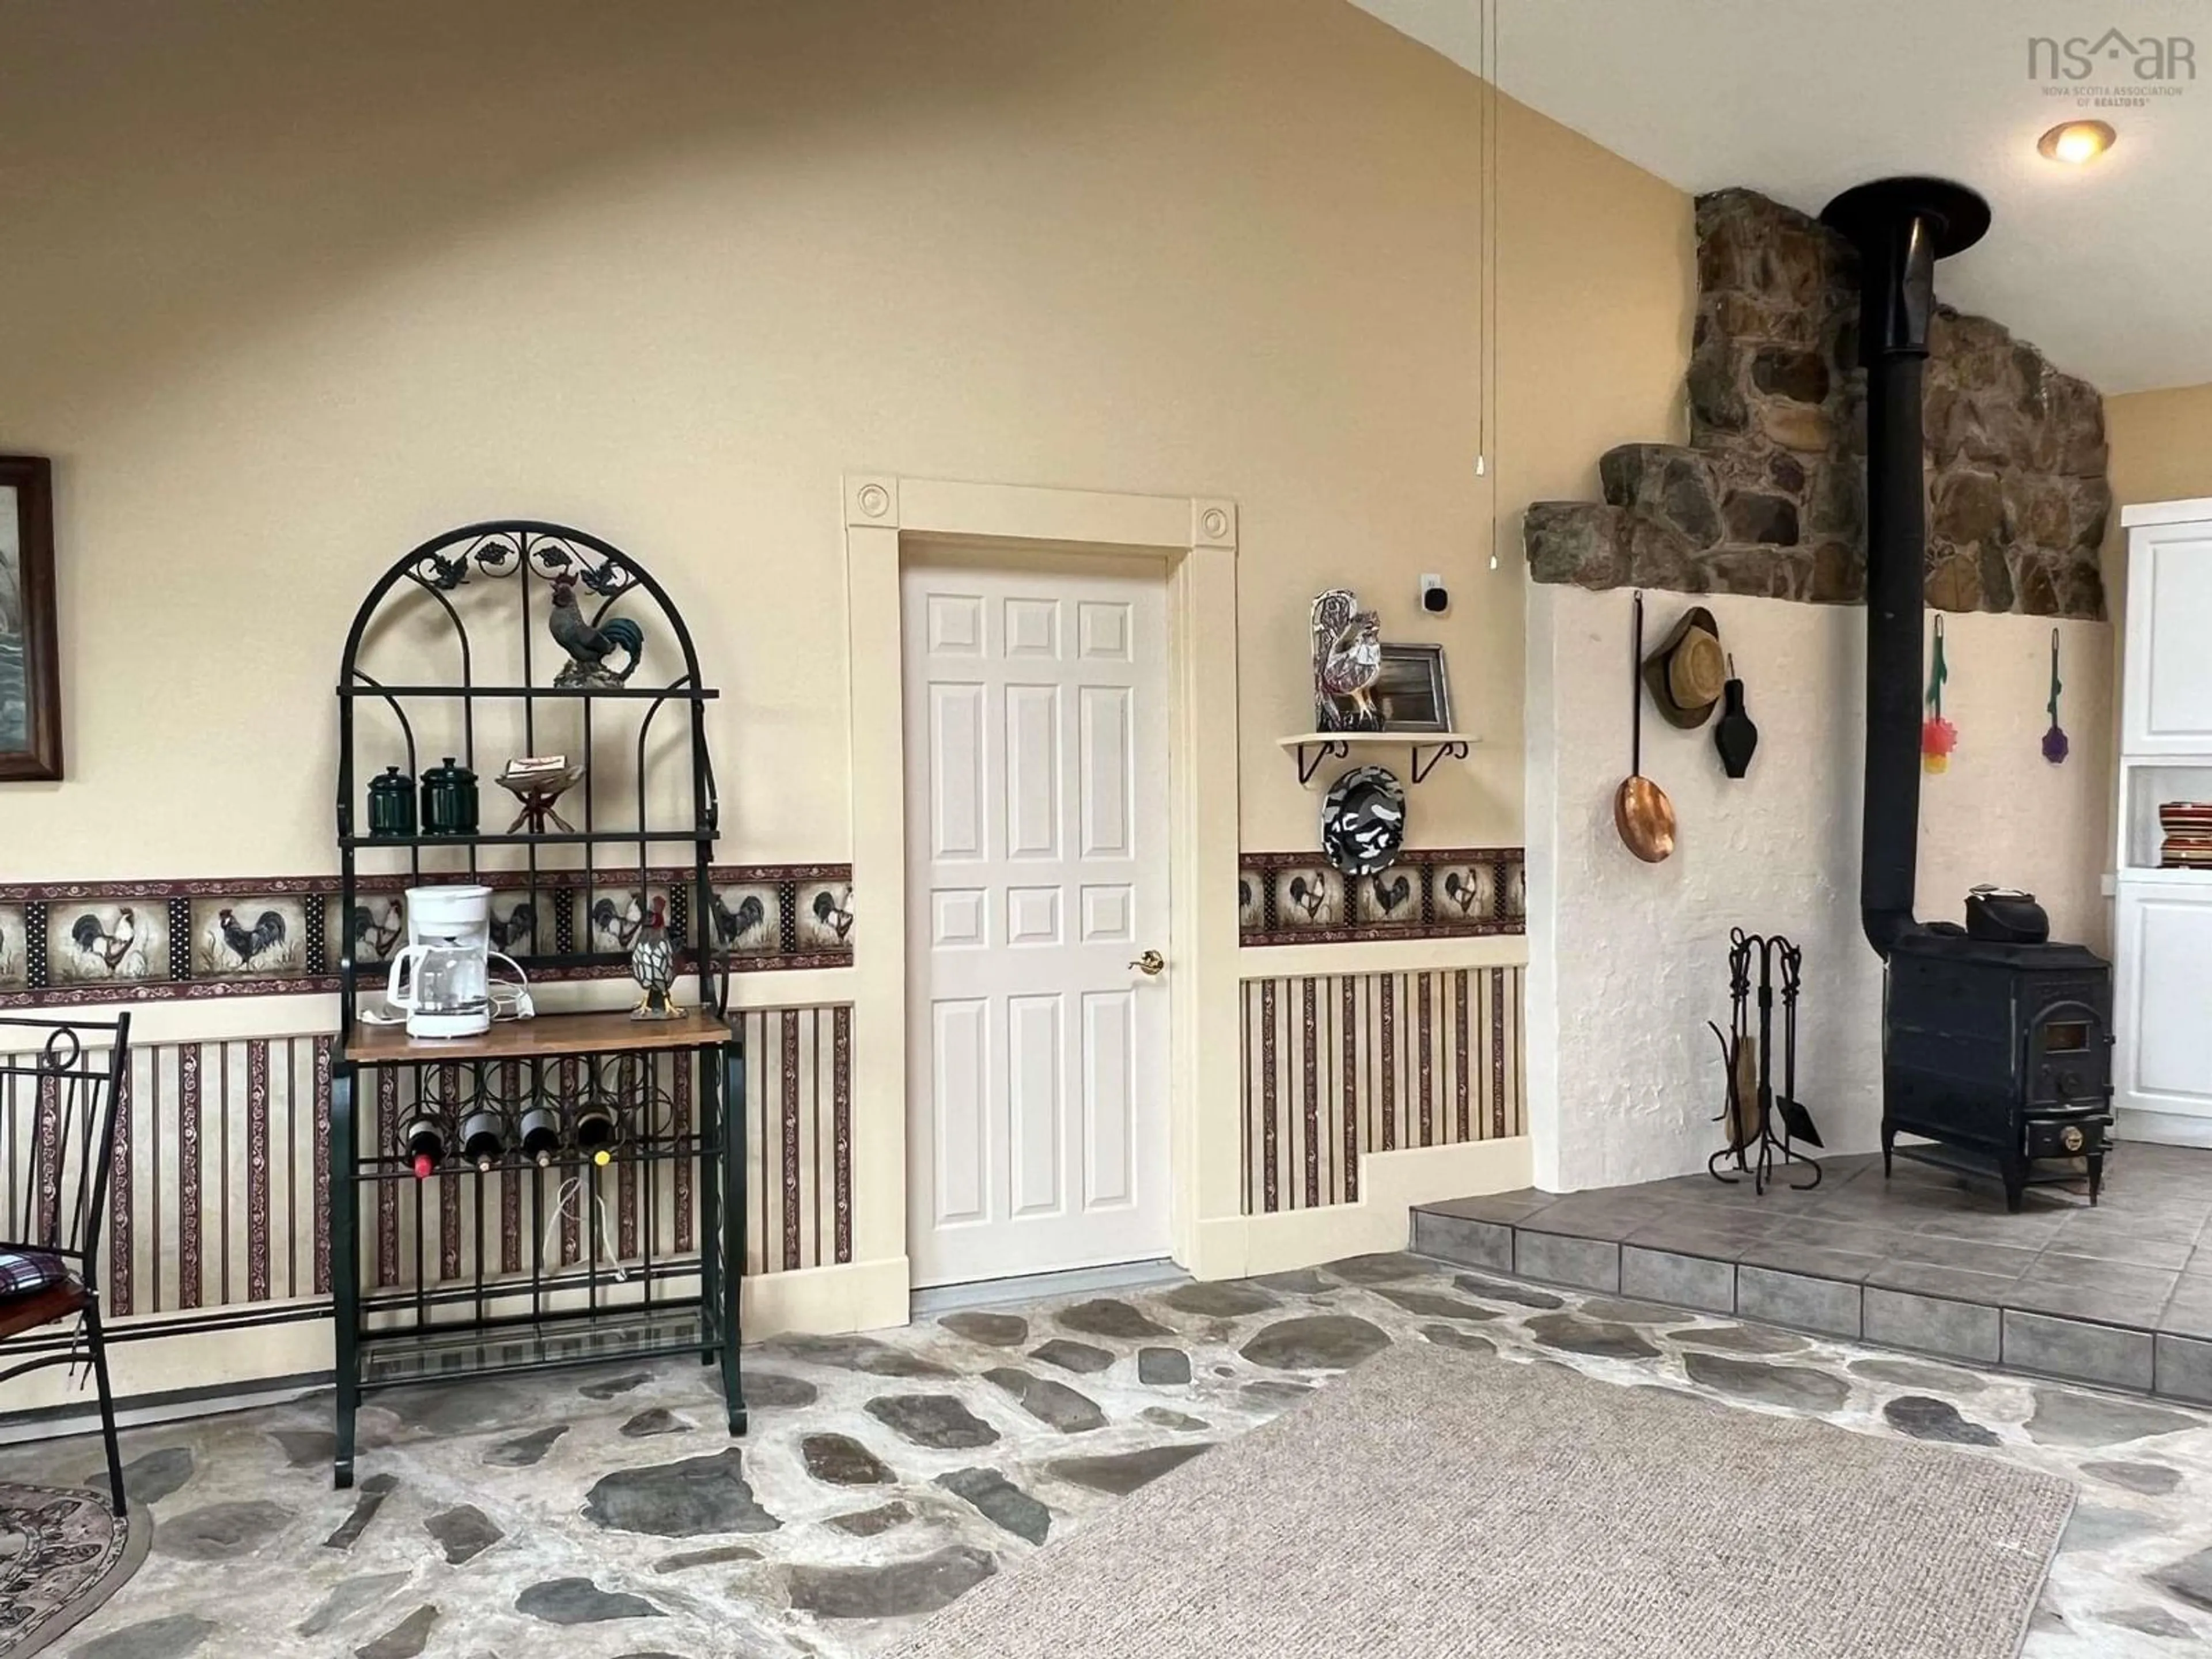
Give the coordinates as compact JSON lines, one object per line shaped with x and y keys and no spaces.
{"x":2119,"y":1297}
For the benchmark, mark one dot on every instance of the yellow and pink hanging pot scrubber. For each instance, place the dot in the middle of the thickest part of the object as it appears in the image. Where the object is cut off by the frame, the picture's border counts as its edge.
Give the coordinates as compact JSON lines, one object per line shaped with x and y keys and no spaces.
{"x":1938,"y":736}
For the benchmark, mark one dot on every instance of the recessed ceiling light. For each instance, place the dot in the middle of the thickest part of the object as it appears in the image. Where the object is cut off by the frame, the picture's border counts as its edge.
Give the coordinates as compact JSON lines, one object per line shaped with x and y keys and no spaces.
{"x":2076,"y":143}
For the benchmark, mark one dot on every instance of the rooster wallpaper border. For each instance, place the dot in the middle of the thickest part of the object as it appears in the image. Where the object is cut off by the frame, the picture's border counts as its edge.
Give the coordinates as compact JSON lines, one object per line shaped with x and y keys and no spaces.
{"x":1300,"y":899}
{"x":71,"y":943}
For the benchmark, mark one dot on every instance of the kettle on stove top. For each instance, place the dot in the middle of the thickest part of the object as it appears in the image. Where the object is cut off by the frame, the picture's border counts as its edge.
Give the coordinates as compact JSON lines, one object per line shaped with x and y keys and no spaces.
{"x":2005,"y":915}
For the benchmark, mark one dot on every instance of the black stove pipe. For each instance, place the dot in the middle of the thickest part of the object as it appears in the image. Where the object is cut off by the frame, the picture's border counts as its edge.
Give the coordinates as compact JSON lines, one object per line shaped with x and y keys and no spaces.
{"x":1901,"y":227}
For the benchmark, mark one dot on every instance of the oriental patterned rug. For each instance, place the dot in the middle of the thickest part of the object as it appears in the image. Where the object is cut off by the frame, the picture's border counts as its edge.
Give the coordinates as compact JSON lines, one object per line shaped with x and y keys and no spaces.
{"x":62,"y":1554}
{"x":1435,"y":1504}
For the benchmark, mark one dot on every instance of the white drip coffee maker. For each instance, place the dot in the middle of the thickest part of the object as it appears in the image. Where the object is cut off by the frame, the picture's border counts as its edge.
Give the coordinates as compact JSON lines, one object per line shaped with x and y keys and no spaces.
{"x":441,"y":980}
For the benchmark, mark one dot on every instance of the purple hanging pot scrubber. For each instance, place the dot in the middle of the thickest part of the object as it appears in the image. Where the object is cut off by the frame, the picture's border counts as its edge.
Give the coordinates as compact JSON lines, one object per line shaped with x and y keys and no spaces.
{"x":2054,"y":741}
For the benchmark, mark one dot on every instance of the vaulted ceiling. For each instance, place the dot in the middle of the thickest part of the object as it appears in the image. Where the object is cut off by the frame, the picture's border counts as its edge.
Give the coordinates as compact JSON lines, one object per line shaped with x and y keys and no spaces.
{"x":2107,"y":267}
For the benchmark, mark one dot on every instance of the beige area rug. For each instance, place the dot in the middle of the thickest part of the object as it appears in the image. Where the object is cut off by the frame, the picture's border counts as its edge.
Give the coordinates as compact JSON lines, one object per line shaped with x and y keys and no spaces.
{"x":1438,"y":1504}
{"x":62,"y":1554}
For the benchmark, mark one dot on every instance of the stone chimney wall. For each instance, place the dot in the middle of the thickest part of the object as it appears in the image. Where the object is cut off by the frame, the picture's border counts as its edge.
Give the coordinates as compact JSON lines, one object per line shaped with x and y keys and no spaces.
{"x":1768,"y":496}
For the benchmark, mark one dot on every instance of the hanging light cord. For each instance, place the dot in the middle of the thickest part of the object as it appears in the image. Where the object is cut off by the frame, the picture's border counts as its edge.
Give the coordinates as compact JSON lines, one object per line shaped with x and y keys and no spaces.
{"x":1482,"y":237}
{"x":1488,"y":214}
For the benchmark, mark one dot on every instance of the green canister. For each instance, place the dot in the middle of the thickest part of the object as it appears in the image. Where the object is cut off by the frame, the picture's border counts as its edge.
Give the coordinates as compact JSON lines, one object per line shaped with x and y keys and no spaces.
{"x":391,"y":804}
{"x":449,"y":800}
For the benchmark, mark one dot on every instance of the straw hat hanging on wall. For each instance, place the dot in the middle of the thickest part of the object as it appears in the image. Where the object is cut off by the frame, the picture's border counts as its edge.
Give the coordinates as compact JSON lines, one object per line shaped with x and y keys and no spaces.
{"x":1687,"y":673}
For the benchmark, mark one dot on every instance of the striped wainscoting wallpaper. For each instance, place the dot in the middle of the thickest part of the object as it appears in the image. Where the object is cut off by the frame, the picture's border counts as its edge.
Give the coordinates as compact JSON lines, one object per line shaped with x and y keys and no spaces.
{"x":799,"y":1084}
{"x":222,"y":1200}
{"x":1339,"y":1065}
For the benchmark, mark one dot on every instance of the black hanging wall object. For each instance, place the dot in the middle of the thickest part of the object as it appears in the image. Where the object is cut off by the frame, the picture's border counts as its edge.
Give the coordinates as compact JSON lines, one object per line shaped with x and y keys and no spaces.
{"x":1733,"y":735}
{"x":1747,"y":1057}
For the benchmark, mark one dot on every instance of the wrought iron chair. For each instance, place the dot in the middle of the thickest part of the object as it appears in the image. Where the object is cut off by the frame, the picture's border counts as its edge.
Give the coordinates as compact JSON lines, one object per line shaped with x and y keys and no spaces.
{"x":58,"y":1104}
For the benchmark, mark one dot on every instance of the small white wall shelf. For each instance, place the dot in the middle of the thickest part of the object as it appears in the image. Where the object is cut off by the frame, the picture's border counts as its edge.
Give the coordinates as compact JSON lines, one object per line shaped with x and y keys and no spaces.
{"x":1425,"y":750}
{"x":2148,"y":782}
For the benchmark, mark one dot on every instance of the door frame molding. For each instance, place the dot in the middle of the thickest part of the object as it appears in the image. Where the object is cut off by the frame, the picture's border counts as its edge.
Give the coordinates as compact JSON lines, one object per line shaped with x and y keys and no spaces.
{"x":1194,"y":540}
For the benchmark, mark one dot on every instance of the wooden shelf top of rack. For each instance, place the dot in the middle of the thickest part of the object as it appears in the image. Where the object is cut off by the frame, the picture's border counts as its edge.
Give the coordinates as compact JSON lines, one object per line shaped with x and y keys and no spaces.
{"x":548,"y":1035}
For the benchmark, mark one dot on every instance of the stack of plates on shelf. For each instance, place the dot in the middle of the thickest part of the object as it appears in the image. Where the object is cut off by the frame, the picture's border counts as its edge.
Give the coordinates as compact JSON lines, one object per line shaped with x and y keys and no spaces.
{"x":2188,"y":826}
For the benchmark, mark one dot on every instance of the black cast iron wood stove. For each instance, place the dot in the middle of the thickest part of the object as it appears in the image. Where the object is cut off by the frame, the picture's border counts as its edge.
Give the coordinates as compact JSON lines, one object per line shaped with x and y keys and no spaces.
{"x":1994,"y":1041}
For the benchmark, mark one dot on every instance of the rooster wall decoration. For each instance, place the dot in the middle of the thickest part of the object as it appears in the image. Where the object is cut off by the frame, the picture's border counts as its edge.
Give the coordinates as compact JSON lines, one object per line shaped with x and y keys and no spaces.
{"x":111,"y":947}
{"x":1389,"y":895}
{"x":516,"y":931}
{"x":1462,"y":889}
{"x":375,"y":935}
{"x":620,"y":925}
{"x":1308,"y":894}
{"x":732,"y":925}
{"x":247,"y":943}
{"x":834,"y":911}
{"x":589,"y":644}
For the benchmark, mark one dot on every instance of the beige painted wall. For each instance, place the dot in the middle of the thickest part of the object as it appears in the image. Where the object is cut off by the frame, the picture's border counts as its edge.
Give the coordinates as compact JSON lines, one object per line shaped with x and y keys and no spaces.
{"x":289,"y":287}
{"x":2161,"y":448}
{"x":2161,"y":445}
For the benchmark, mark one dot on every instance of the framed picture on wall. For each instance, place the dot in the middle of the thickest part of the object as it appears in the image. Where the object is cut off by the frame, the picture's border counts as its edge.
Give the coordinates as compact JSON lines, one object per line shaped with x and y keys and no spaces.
{"x":1412,"y":691}
{"x":30,"y":665}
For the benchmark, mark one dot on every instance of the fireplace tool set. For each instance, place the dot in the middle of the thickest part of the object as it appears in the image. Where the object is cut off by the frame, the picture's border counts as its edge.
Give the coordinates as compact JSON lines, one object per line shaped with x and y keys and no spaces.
{"x":1748,"y":1059}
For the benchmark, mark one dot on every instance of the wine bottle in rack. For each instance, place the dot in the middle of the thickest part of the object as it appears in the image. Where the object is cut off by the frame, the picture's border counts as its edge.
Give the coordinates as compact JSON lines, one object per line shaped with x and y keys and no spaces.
{"x":595,"y":1131}
{"x":541,"y":1135}
{"x":483,"y":1137}
{"x":425,"y":1139}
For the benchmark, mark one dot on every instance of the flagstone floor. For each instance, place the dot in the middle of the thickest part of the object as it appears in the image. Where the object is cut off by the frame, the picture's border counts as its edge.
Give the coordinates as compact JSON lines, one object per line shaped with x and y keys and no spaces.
{"x":601,"y":1515}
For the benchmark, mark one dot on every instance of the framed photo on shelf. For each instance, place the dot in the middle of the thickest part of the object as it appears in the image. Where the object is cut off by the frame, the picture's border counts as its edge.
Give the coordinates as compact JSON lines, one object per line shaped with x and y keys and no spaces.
{"x":30,"y":666}
{"x":1412,"y":691}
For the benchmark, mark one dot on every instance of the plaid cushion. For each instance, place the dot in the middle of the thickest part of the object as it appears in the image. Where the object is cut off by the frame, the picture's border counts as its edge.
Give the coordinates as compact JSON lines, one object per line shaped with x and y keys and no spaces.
{"x":22,"y":1272}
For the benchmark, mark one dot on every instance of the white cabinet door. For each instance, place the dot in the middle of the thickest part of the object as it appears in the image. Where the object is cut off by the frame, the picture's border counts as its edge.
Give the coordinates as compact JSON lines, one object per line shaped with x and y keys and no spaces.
{"x":1036,"y":873}
{"x":2168,"y":691}
{"x":2163,"y":1060}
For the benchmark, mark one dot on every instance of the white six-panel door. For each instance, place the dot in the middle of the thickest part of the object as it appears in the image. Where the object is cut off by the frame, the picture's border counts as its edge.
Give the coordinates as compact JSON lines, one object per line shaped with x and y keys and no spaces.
{"x":1036,"y":874}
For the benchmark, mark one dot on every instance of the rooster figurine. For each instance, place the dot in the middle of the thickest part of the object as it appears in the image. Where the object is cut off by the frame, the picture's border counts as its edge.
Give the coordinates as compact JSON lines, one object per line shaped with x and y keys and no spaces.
{"x":653,"y":965}
{"x":589,"y":644}
{"x":1347,"y":645}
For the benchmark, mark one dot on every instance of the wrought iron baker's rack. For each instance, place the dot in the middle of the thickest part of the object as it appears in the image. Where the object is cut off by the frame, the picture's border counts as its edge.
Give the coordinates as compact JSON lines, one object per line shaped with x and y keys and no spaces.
{"x":643,"y":1076}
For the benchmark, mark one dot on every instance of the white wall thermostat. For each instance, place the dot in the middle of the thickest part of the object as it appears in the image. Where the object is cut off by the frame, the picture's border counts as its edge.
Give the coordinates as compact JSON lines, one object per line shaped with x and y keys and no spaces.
{"x":1436,"y":599}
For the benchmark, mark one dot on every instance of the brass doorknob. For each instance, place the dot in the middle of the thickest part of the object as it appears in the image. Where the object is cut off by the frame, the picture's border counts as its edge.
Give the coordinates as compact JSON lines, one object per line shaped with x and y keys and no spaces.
{"x":1151,"y":965}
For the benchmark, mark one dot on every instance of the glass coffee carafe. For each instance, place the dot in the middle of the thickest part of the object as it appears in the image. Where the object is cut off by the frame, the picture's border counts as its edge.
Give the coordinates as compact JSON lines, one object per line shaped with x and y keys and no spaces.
{"x":443,"y":981}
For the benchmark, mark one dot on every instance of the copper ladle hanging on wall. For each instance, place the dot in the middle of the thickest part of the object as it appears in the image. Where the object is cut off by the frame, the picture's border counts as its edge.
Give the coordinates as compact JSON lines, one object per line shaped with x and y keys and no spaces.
{"x":1641,"y":810}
